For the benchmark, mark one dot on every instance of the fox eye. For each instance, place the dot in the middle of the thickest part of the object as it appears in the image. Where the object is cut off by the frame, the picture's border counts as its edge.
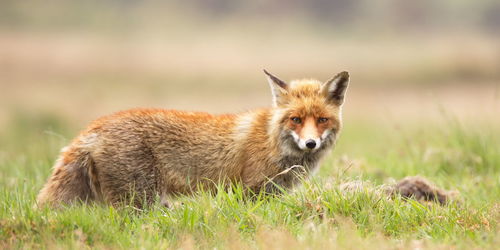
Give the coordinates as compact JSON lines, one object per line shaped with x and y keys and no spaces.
{"x":322,"y":120}
{"x":296,"y":120}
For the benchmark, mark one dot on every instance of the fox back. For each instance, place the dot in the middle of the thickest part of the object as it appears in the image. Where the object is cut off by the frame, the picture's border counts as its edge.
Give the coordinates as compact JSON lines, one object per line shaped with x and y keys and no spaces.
{"x":143,"y":153}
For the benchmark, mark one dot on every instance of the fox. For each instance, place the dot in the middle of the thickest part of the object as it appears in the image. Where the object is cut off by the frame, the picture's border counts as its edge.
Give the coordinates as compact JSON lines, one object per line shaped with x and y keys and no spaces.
{"x":141,"y":154}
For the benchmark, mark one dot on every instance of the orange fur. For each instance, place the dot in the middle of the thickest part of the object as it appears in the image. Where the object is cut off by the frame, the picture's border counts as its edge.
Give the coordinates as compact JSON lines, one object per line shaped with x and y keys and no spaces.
{"x":142,"y":153}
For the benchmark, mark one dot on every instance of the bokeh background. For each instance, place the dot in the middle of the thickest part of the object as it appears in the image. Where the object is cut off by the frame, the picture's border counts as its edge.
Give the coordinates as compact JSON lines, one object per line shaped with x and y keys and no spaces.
{"x":64,"y":63}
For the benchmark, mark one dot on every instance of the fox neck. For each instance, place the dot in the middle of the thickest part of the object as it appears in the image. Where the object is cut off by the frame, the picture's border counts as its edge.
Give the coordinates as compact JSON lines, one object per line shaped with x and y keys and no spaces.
{"x":267,"y":152}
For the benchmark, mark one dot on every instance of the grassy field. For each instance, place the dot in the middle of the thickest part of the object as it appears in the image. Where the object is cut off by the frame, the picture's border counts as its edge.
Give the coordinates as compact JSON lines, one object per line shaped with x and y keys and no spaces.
{"x":452,"y":154}
{"x":424,"y":100}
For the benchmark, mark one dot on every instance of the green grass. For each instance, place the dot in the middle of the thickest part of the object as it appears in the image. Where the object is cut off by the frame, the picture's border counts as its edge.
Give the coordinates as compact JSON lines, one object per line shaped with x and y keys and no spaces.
{"x":317,"y":215}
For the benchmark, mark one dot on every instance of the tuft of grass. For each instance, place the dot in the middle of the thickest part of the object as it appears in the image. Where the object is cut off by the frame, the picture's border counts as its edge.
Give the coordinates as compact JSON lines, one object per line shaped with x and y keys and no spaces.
{"x":317,"y":215}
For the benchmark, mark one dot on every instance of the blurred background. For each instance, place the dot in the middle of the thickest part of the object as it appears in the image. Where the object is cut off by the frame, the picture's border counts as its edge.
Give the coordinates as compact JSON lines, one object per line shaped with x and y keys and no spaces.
{"x":64,"y":63}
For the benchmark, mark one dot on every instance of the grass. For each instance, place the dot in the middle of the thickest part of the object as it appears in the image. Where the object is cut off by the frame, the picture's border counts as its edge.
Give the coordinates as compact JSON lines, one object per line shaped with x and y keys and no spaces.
{"x":317,"y":215}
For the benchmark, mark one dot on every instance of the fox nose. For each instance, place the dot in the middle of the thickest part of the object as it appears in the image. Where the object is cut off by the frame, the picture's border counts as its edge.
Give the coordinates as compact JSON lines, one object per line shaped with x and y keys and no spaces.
{"x":310,"y":144}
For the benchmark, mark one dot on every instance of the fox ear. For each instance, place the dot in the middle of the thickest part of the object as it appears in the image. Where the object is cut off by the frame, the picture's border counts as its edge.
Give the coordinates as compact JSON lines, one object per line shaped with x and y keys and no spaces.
{"x":278,"y":88}
{"x":336,"y":87}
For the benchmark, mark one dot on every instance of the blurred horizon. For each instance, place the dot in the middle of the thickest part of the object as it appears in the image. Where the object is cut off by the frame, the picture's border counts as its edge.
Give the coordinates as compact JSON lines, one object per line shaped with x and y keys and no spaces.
{"x":78,"y":60}
{"x":128,"y":16}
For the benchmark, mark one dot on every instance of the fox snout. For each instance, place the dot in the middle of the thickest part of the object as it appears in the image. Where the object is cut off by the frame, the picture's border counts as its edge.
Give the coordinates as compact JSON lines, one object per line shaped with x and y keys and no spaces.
{"x":309,"y":143}
{"x":306,"y":133}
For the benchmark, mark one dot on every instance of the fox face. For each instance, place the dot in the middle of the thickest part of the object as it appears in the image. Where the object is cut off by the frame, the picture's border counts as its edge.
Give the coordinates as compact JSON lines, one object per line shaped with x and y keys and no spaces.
{"x":307,"y":113}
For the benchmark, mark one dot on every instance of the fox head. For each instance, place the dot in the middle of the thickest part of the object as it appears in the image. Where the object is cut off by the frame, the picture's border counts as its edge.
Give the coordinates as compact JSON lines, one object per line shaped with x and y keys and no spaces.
{"x":307,"y":113}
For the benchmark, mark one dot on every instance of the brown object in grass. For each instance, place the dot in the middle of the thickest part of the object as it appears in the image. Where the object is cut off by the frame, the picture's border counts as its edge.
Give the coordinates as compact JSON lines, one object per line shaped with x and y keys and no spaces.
{"x":421,"y":189}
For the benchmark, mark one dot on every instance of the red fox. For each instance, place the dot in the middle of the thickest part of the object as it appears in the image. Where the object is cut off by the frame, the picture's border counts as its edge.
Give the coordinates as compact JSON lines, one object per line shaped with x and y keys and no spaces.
{"x":141,"y":154}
